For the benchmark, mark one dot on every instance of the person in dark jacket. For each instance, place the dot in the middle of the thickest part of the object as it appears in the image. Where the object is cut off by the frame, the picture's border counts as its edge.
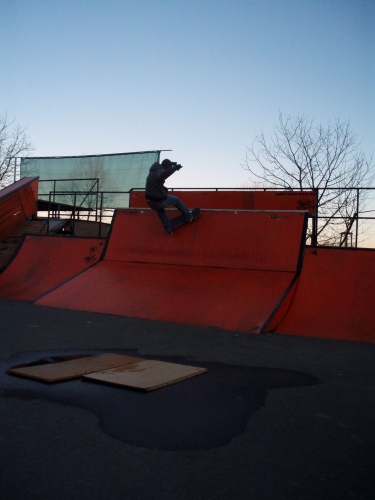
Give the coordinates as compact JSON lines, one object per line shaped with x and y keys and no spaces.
{"x":157,"y":196}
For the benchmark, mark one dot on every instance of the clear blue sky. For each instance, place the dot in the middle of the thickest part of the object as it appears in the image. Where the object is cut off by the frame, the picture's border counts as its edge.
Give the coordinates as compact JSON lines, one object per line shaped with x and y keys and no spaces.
{"x":199,"y":77}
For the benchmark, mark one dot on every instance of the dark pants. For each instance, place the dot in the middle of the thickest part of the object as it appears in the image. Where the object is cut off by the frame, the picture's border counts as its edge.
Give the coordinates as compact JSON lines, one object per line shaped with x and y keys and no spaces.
{"x":170,"y":201}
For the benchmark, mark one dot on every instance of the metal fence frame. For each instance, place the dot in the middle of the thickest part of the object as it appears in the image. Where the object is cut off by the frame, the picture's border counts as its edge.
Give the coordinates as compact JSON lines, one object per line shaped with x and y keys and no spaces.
{"x":99,"y":210}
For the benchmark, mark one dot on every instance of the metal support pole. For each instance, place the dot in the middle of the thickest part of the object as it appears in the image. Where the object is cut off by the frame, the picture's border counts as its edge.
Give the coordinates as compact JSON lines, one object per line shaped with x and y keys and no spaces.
{"x":49,"y":211}
{"x":96,"y":204}
{"x":74,"y":212}
{"x":54,"y":192}
{"x":357,"y":220}
{"x":314,"y":235}
{"x":344,"y":240}
{"x":100,"y":214}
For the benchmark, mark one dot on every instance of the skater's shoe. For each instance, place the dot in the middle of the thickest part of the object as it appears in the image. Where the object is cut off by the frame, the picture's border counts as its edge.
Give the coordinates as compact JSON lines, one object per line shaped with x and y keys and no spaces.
{"x":190,"y":218}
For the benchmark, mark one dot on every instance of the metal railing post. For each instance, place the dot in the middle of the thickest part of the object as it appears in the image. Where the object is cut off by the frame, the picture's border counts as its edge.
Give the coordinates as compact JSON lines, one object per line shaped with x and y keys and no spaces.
{"x":49,"y":210}
{"x":74,"y":212}
{"x":96,"y":203}
{"x":100,"y":214}
{"x":357,"y":220}
{"x":314,"y":233}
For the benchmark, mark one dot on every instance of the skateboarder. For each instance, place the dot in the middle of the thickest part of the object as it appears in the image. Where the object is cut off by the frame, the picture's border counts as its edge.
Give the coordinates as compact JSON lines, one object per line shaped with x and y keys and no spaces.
{"x":157,"y":196}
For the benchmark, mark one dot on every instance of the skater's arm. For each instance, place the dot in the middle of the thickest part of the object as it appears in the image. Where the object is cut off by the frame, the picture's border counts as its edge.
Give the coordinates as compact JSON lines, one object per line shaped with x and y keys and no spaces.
{"x":167,"y":172}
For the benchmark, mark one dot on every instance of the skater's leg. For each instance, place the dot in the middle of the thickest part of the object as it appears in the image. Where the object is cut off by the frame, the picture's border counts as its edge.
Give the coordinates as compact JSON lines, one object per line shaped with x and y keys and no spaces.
{"x":159,"y":209}
{"x":164,"y":220}
{"x":176,"y":202}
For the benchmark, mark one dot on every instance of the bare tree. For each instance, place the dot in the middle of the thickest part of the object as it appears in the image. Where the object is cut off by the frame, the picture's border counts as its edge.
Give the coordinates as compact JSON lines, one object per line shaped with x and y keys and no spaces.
{"x":328,"y":159}
{"x":13,"y":143}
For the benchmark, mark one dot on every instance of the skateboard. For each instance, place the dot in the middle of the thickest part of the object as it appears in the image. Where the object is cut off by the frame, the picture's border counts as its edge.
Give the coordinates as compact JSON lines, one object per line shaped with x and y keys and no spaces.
{"x":181,"y":221}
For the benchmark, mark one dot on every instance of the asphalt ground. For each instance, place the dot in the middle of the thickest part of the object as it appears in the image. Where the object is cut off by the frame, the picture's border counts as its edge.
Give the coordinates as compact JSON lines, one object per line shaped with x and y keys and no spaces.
{"x":275,"y":416}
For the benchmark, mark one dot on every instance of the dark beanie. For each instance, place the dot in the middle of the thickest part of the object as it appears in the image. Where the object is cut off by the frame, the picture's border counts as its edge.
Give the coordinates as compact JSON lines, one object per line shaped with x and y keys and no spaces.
{"x":168,"y":163}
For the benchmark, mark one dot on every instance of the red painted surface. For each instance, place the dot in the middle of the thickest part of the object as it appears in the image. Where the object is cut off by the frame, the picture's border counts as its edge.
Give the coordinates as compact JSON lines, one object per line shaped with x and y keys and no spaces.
{"x":19,"y":185}
{"x":242,"y":240}
{"x":233,"y":270}
{"x":234,"y":299}
{"x":239,"y":200}
{"x":335,"y":296}
{"x":17,"y":203}
{"x":44,"y":262}
{"x":226,"y":269}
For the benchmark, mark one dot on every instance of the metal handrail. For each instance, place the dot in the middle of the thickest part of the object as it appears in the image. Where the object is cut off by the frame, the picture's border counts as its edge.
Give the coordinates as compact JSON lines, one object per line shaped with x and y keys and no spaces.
{"x":358,"y":215}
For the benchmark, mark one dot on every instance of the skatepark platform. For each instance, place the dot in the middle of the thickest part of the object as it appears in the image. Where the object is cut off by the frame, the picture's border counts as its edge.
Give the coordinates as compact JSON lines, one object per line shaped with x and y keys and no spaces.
{"x":237,"y":269}
{"x":226,"y":269}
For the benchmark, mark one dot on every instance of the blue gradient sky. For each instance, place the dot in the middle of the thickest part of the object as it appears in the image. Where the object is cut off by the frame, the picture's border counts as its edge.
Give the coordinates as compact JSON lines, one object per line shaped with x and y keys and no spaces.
{"x":199,"y":77}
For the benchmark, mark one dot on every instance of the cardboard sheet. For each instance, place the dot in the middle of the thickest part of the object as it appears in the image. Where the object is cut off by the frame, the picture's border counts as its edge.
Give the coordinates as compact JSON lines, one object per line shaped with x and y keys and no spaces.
{"x":146,"y":375}
{"x":66,"y":370}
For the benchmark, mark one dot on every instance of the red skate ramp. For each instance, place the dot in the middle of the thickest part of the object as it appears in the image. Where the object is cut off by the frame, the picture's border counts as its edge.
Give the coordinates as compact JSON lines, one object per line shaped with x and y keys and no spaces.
{"x":44,"y":262}
{"x":335,"y":296}
{"x":17,"y":202}
{"x":226,"y":269}
{"x":238,"y":200}
{"x":233,"y":239}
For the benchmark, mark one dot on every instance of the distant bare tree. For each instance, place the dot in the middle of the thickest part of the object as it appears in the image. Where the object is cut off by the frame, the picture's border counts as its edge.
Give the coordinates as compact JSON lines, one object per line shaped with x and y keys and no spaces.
{"x":329,"y":159}
{"x":13,"y":143}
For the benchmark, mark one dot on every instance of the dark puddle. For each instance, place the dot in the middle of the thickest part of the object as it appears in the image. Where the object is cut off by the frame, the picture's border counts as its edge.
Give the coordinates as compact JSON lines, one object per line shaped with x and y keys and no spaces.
{"x":202,"y":412}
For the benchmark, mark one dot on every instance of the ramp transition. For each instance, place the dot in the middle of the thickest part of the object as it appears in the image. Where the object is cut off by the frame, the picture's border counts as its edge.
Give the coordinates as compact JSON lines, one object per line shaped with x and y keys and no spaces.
{"x":229,"y":269}
{"x":334,"y":297}
{"x":43,"y":262}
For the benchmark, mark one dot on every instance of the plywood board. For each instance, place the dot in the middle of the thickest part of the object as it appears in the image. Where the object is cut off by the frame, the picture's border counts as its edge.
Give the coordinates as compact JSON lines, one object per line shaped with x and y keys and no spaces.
{"x":66,"y":370}
{"x":146,"y":375}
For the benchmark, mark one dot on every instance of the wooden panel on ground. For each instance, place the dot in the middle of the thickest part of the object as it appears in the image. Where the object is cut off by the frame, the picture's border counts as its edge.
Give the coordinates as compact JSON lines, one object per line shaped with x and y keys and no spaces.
{"x":146,"y":375}
{"x":67,"y":370}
